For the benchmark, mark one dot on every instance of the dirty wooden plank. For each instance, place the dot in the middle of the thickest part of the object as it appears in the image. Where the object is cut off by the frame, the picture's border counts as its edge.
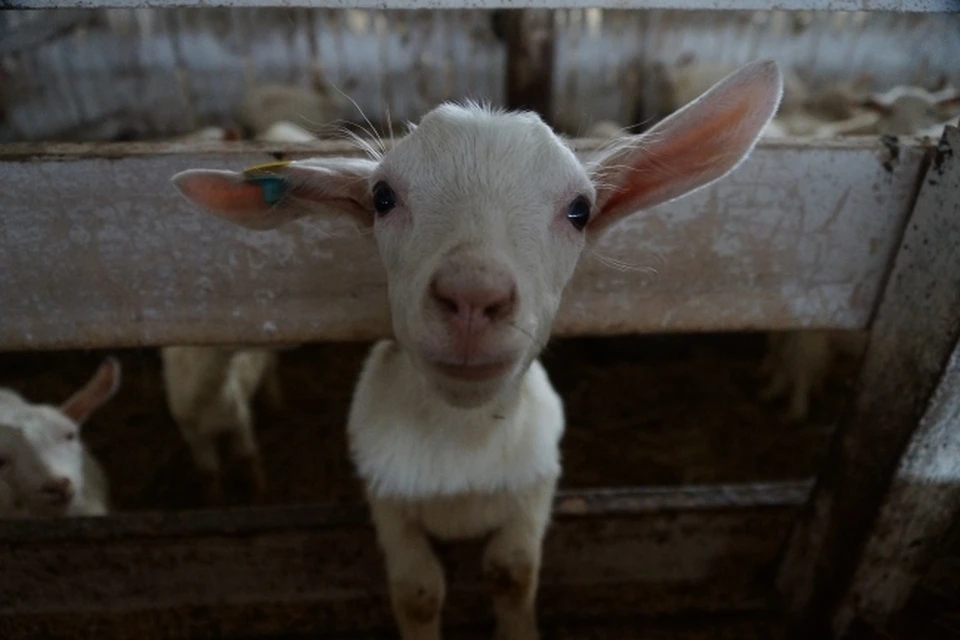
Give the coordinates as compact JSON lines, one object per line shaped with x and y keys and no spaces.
{"x":913,"y":335}
{"x":931,"y":611}
{"x":923,"y":501}
{"x":921,"y":506}
{"x":97,"y":249}
{"x":531,"y":40}
{"x":931,"y":6}
{"x":261,"y":571}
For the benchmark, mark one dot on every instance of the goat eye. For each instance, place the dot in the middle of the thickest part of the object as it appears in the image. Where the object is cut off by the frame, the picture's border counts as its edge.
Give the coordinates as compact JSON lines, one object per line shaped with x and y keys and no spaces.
{"x":384,"y":199}
{"x":71,"y":436}
{"x":579,"y":212}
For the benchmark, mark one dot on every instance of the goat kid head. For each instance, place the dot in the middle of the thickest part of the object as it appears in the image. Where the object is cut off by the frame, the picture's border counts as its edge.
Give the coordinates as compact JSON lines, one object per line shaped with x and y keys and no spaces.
{"x":41,"y":451}
{"x":480,"y":216}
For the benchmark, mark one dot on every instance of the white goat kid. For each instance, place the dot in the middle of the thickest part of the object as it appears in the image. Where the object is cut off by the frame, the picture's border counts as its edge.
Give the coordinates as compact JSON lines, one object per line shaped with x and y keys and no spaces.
{"x":480,"y":218}
{"x":43,"y":463}
{"x":210,"y":392}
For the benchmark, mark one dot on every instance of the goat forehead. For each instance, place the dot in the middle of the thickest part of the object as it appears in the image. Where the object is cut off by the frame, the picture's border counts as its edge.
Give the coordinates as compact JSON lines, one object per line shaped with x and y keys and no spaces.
{"x":470,"y":151}
{"x":44,"y":423}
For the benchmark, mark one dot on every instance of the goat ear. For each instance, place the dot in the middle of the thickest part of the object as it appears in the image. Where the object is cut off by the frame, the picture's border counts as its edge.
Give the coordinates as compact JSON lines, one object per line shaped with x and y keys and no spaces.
{"x":101,"y":387}
{"x":690,"y":149}
{"x":268,"y":196}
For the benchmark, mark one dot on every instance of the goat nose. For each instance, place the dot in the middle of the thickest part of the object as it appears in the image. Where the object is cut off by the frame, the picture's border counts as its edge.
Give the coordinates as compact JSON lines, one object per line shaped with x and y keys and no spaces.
{"x":59,"y":488}
{"x":475,"y":302}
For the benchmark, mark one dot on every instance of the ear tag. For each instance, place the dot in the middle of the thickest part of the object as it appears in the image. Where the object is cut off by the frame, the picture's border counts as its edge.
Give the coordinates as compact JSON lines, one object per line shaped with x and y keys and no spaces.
{"x":274,"y":187}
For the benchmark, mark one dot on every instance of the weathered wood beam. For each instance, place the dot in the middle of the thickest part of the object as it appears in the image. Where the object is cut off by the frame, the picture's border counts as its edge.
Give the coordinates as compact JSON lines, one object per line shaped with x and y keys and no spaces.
{"x":913,"y":336}
{"x":921,"y":506}
{"x":98,"y":250}
{"x":931,"y":611}
{"x":531,"y":43}
{"x":900,"y":6}
{"x":262,"y":571}
{"x":923,"y":501}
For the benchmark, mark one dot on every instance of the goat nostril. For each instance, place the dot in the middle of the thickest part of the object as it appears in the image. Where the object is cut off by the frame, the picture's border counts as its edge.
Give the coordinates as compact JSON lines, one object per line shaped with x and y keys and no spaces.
{"x":493,"y":311}
{"x":447,"y":303}
{"x":473,"y":300}
{"x":501,"y":307}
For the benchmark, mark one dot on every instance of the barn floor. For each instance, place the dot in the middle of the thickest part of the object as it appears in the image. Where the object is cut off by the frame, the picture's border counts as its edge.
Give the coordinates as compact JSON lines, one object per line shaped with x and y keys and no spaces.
{"x":641,"y":410}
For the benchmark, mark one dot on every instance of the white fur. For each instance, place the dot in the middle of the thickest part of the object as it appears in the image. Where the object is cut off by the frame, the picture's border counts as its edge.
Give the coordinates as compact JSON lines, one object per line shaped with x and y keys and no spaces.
{"x":36,"y":445}
{"x":209,"y":393}
{"x":505,"y":216}
{"x":404,"y":443}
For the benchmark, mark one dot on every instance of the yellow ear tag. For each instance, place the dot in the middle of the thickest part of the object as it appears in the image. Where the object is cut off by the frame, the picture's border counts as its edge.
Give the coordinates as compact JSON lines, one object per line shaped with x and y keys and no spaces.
{"x":273,"y":186}
{"x":256,"y":169}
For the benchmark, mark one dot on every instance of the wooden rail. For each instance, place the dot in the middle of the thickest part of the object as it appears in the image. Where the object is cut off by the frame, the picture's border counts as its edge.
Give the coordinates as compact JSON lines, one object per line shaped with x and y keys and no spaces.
{"x":313,"y":570}
{"x":97,"y":249}
{"x":891,"y":482}
{"x":904,"y":6}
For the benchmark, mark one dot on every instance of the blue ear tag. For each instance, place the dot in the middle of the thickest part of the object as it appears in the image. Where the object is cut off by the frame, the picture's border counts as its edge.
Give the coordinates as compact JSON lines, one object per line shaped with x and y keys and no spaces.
{"x":274,"y":187}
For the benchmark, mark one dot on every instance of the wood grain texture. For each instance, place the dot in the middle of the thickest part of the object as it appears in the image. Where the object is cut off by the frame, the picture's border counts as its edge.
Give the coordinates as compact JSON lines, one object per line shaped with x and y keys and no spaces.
{"x":921,"y":506}
{"x":935,"y":6}
{"x":932,"y":609}
{"x":923,"y":501}
{"x":256,"y":572}
{"x":530,"y":36}
{"x":913,"y":336}
{"x":97,"y":249}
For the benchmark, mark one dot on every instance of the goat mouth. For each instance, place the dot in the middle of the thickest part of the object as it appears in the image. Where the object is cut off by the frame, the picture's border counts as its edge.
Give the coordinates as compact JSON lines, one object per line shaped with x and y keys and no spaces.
{"x":472,"y":372}
{"x":56,"y":499}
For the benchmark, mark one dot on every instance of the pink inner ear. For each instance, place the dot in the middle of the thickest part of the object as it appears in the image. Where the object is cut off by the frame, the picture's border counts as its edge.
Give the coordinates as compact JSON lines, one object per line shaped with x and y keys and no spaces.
{"x":218,"y":192}
{"x":685,"y":154}
{"x":98,"y":390}
{"x":692,"y":148}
